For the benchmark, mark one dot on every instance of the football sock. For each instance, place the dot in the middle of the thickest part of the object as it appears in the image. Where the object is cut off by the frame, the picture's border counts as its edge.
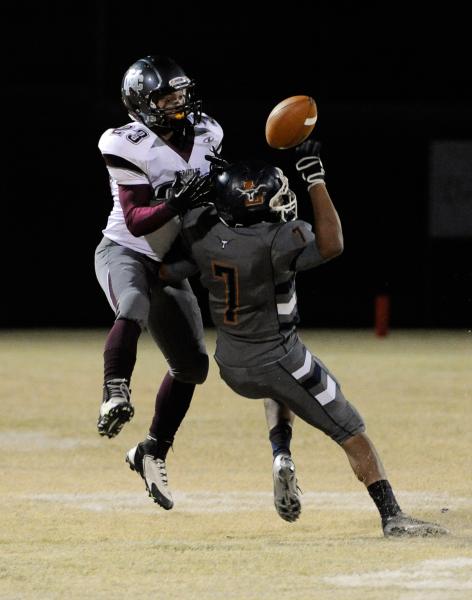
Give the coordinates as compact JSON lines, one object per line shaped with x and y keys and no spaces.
{"x":382,"y":494}
{"x":120,"y":350}
{"x":172,"y":402}
{"x":280,"y":437}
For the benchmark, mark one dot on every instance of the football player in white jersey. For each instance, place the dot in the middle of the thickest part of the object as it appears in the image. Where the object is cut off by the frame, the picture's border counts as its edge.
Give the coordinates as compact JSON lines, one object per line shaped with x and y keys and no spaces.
{"x":156,"y":164}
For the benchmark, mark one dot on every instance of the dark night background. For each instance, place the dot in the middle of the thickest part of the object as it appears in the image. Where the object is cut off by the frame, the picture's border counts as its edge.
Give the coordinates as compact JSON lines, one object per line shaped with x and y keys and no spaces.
{"x":388,"y":83}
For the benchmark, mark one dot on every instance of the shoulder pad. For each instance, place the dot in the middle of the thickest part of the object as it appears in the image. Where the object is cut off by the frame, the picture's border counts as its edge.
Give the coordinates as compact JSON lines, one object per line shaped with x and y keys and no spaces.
{"x":126,"y":140}
{"x":296,"y":234}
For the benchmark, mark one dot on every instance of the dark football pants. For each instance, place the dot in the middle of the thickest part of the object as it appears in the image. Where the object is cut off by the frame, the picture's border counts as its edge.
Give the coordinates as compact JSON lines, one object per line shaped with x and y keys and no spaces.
{"x":302,"y":382}
{"x":169,"y":311}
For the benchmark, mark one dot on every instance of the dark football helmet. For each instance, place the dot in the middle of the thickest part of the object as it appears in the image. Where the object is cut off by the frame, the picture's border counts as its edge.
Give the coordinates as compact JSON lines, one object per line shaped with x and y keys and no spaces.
{"x":249,"y":192}
{"x":151,"y":78}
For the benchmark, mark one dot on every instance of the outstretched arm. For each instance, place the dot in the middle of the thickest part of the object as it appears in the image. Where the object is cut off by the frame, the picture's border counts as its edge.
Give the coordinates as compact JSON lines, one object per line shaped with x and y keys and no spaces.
{"x":327,"y":225}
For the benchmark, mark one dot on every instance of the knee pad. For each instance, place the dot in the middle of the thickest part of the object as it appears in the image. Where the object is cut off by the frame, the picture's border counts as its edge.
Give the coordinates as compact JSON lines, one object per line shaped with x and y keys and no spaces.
{"x":196,"y":372}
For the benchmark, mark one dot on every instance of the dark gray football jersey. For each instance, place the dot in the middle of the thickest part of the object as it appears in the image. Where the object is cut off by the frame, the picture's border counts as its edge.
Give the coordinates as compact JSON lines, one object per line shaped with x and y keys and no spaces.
{"x":250,"y":276}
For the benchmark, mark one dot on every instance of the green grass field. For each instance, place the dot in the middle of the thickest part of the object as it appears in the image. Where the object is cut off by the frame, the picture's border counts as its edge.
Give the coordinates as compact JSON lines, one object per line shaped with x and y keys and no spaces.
{"x":77,"y":523}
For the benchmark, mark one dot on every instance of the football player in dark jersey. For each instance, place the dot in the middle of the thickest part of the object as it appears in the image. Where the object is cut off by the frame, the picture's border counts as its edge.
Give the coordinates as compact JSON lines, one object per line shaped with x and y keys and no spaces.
{"x":247,"y":252}
{"x":155,"y":163}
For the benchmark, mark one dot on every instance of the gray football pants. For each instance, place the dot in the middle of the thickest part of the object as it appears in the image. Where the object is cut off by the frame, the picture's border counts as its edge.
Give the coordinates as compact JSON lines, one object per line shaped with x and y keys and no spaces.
{"x":169,"y":311}
{"x":302,"y":382}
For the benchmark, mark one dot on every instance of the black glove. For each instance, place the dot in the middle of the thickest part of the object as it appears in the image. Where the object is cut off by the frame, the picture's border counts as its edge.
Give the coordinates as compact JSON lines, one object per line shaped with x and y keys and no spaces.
{"x":309,"y":163}
{"x":217,"y":163}
{"x":187,"y":190}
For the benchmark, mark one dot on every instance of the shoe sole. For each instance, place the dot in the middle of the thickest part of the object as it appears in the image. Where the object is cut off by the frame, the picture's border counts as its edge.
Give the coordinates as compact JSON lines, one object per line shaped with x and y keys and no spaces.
{"x":112,"y":423}
{"x":287,"y":505}
{"x":153,"y":493}
{"x":418,"y":531}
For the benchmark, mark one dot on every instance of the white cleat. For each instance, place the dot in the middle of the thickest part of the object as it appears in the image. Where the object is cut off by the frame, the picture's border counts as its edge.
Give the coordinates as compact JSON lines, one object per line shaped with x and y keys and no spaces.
{"x":286,"y":492}
{"x":153,"y":471}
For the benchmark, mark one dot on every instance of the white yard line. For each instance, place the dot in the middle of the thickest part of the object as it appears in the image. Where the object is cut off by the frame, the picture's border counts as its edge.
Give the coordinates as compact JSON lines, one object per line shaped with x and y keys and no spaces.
{"x":452,"y":574}
{"x":223,"y":502}
{"x":27,"y":441}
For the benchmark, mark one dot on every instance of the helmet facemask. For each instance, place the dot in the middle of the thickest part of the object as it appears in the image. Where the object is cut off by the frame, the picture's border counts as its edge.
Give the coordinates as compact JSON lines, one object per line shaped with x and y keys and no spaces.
{"x":284,"y":202}
{"x":174,"y":116}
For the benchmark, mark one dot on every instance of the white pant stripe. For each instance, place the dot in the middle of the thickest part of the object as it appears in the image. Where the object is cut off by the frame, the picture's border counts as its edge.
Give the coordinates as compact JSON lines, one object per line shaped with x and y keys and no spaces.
{"x":285,"y":308}
{"x":299,"y":373}
{"x":329,"y":394}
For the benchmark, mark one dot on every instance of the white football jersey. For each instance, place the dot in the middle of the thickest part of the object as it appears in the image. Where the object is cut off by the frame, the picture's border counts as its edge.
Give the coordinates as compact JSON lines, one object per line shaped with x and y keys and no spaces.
{"x":144,"y":158}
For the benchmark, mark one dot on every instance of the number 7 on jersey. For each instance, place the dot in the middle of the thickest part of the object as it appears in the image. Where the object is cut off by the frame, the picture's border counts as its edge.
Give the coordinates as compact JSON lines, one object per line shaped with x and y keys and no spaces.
{"x":229,"y":275}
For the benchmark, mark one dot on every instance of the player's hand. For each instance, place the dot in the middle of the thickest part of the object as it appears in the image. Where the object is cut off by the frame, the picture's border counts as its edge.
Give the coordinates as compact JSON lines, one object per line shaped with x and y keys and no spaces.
{"x":164,"y":272}
{"x":309,"y":164}
{"x":187,"y":191}
{"x":217,"y":163}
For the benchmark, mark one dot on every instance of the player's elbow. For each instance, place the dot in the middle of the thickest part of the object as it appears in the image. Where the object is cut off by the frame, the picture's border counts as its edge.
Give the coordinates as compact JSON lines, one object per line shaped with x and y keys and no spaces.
{"x":332,"y":248}
{"x":330,"y":253}
{"x":134,"y":228}
{"x":338,"y":247}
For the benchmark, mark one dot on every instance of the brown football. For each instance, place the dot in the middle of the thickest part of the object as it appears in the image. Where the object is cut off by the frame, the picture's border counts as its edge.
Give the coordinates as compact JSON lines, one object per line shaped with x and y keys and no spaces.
{"x":291,"y":122}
